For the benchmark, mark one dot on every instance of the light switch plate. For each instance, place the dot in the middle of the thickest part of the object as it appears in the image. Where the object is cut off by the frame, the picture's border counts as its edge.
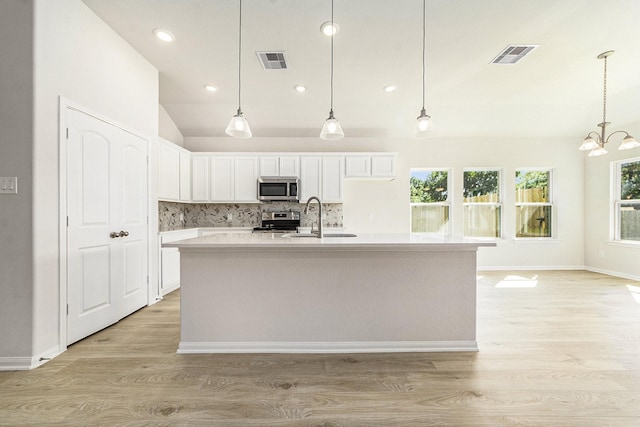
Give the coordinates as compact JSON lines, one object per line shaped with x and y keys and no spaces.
{"x":9,"y":185}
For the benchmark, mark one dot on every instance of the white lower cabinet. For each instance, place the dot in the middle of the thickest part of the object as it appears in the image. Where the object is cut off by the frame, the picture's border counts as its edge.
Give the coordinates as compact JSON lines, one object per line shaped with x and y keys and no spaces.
{"x":170,"y":259}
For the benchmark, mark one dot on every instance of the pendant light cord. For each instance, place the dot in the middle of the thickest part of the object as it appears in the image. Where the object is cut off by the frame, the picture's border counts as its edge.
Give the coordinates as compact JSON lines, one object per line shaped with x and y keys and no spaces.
{"x":240,"y":59}
{"x":424,"y":25}
{"x":332,"y":33}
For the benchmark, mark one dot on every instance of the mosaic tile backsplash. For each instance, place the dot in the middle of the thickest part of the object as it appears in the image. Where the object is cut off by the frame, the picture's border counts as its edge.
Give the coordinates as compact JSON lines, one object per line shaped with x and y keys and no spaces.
{"x":177,"y":216}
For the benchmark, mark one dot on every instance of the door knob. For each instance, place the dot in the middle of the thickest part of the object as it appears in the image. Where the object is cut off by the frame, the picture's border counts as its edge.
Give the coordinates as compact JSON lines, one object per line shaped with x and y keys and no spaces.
{"x":124,"y":233}
{"x":113,"y":234}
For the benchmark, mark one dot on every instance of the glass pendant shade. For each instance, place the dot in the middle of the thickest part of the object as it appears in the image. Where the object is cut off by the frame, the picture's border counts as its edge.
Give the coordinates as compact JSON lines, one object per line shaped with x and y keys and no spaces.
{"x":331,"y":128}
{"x":588,"y":144}
{"x":238,"y":127}
{"x":599,"y":151}
{"x":629,"y":142}
{"x":422,"y":125}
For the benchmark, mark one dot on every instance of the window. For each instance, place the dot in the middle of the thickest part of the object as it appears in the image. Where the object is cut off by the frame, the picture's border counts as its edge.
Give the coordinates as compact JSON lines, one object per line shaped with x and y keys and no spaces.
{"x":533,"y":203}
{"x":627,"y":200}
{"x":482,"y":206}
{"x":429,"y":196}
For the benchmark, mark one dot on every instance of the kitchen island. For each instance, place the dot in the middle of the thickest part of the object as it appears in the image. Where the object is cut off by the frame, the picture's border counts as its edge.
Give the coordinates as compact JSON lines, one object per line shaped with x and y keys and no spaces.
{"x":260,"y":293}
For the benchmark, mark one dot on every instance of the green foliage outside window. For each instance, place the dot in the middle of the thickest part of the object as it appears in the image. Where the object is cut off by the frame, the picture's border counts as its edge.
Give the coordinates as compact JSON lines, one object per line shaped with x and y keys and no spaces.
{"x":428,"y":186}
{"x":630,"y":181}
{"x":481,"y":183}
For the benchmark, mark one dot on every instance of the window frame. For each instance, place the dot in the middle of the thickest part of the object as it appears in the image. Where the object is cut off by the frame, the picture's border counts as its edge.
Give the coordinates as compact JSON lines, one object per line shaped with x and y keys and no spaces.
{"x":446,"y":203}
{"x":616,"y":202}
{"x":499,"y":203}
{"x":550,"y":196}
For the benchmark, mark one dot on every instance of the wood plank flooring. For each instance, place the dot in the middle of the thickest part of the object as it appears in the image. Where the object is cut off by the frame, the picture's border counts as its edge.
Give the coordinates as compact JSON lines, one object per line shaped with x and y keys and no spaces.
{"x":556,"y":349}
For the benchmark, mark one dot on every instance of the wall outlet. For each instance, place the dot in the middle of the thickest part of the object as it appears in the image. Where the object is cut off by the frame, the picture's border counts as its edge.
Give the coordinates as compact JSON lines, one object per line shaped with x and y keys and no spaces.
{"x":181,"y":217}
{"x":9,"y":185}
{"x":601,"y":254}
{"x":229,"y":217}
{"x":370,"y":216}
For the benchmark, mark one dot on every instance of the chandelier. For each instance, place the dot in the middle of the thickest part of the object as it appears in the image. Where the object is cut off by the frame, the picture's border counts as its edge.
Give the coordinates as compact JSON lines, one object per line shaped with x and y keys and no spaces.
{"x":594,"y":141}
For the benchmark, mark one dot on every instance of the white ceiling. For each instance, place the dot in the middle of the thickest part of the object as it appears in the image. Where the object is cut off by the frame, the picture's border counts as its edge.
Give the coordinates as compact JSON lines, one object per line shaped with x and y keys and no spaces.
{"x":556,"y":91}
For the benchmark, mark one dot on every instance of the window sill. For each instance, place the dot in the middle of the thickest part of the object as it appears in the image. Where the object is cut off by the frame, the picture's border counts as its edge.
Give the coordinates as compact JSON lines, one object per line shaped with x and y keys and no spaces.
{"x":624,"y":243}
{"x":528,"y":240}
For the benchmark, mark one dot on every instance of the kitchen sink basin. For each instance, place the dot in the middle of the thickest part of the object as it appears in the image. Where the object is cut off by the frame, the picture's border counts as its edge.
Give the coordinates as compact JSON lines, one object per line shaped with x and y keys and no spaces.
{"x":313,"y":235}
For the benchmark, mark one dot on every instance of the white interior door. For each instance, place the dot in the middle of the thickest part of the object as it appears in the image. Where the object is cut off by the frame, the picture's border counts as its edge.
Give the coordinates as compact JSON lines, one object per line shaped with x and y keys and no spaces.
{"x":107,"y":224}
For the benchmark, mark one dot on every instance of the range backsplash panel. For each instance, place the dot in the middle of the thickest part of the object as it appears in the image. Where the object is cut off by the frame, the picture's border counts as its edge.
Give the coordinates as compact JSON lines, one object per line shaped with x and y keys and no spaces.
{"x":178,"y":216}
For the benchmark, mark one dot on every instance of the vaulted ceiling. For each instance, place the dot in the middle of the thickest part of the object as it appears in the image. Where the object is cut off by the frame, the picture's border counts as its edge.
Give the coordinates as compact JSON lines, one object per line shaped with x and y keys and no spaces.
{"x":556,"y":91}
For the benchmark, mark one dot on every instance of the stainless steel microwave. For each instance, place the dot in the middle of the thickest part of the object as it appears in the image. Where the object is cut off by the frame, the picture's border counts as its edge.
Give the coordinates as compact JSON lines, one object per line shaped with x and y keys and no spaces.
{"x":274,"y":188}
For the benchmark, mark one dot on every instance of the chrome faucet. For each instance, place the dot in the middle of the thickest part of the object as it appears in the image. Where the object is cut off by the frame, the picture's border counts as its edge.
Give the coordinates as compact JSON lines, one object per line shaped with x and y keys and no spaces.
{"x":306,"y":211}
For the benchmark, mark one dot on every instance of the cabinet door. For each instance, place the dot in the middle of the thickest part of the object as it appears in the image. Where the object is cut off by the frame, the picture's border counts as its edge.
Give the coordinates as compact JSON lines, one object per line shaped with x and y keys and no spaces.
{"x":310,"y":177}
{"x":200,"y":179}
{"x":357,"y":166}
{"x":246,"y":179}
{"x":221,"y":170}
{"x":169,"y":173}
{"x":185,"y":177}
{"x":170,"y":271}
{"x":332,"y":173}
{"x":289,"y":166}
{"x":269,"y":166}
{"x":383,"y":166}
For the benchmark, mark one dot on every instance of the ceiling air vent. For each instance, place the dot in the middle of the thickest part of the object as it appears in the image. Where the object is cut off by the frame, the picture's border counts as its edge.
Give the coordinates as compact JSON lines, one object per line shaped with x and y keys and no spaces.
{"x":273,"y":60}
{"x":513,"y":53}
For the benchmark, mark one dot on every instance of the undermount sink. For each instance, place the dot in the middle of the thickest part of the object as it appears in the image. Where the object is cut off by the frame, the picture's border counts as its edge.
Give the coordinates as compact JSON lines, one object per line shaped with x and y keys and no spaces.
{"x":316,"y":236}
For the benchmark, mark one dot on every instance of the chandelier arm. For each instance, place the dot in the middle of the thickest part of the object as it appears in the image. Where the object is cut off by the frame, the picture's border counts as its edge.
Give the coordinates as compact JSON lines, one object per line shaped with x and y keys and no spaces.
{"x":613,"y":133}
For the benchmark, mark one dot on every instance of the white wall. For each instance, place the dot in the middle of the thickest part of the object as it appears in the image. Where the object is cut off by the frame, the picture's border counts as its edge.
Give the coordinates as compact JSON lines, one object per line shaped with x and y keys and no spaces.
{"x":167,"y":129}
{"x":77,"y":56}
{"x":16,"y":145}
{"x":388,"y":201}
{"x":622,"y":260}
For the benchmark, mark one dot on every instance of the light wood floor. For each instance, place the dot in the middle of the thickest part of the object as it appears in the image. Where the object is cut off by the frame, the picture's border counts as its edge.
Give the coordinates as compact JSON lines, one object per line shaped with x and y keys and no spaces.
{"x":563,"y":353}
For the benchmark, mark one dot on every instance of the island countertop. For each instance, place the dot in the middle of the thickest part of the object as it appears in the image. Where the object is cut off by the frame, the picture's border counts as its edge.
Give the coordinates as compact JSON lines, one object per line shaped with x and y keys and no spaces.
{"x":363,"y":241}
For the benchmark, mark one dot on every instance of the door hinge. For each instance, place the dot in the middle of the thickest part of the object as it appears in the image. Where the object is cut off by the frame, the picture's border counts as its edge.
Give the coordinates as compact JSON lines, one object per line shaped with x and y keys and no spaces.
{"x":147,"y":280}
{"x":67,"y":221}
{"x":67,"y":133}
{"x":67,"y":309}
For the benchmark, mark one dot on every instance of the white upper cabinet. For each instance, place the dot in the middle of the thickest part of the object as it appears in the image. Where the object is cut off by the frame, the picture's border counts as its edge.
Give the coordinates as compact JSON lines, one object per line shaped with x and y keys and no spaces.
{"x":310,"y":177}
{"x":357,"y":166}
{"x":332,"y":173}
{"x":279,"y":166}
{"x":321,"y":176}
{"x":185,"y":177}
{"x":169,"y":171}
{"x":383,"y":165}
{"x":200,"y":178}
{"x":370,"y":165}
{"x":246,"y":179}
{"x":221,"y":179}
{"x":232,"y":177}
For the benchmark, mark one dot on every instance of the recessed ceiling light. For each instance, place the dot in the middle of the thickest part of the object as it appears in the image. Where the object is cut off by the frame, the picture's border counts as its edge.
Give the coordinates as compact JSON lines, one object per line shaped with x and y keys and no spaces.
{"x":390,"y":88}
{"x":164,"y":35}
{"x":329,"y":30}
{"x":211,"y":88}
{"x":300,"y":88}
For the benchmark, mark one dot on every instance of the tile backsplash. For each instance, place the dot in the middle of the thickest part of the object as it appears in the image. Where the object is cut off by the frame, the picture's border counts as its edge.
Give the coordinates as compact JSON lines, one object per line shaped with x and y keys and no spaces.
{"x":177,"y":216}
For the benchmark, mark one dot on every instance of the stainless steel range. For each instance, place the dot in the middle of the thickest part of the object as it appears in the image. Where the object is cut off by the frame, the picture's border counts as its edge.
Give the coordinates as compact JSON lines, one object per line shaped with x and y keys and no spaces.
{"x":279,"y":222}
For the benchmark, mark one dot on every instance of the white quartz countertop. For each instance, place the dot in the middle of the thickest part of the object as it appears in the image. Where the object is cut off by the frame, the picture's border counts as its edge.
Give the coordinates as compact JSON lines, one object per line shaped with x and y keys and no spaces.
{"x":364,"y":241}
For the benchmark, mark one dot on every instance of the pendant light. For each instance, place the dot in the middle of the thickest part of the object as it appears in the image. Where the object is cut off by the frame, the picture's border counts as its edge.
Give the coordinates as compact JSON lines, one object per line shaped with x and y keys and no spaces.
{"x":595,"y":142}
{"x":331,"y":128}
{"x":238,"y":127}
{"x":422,"y":125}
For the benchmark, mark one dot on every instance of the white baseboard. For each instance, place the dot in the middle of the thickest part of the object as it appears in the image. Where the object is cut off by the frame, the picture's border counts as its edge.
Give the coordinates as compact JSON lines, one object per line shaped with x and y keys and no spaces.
{"x":529,"y":267}
{"x":27,"y":363}
{"x":327,"y":347}
{"x":613,"y":273}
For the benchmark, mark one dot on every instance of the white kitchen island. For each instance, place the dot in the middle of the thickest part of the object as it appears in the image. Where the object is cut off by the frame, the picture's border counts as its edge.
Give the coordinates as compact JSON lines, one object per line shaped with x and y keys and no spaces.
{"x":263,"y":293}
